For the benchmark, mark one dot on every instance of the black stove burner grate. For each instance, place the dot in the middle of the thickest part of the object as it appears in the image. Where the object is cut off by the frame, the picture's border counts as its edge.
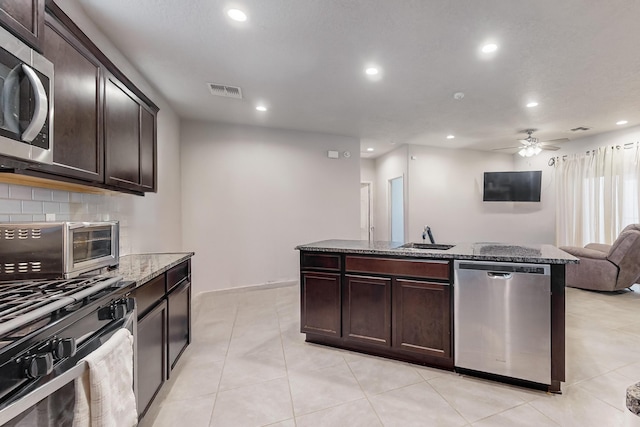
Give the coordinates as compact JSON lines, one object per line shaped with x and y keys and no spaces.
{"x":28,"y":299}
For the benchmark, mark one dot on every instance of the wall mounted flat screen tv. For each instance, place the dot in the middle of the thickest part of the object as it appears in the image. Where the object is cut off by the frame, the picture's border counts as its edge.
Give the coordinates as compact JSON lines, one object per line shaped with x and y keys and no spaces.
{"x":512,"y":186}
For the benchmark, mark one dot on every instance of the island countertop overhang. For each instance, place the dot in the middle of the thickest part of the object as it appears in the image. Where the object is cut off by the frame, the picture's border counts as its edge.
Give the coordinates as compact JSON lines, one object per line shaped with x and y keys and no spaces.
{"x":480,"y":251}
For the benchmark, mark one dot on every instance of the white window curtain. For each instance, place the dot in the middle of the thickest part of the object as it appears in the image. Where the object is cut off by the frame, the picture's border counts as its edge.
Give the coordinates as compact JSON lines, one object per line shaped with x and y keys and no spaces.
{"x":597,"y":194}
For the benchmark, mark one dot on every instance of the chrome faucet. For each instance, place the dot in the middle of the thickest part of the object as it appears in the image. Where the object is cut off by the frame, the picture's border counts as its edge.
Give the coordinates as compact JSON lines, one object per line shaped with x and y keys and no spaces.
{"x":427,"y":232}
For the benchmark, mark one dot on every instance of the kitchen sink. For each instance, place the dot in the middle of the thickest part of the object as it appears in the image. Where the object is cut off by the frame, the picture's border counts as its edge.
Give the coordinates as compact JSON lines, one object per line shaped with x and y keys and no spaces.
{"x":432,"y":246}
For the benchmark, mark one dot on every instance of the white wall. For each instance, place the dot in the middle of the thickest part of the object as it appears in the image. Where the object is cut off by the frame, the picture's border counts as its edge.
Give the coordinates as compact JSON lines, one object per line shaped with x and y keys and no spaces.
{"x":151,"y":223}
{"x":251,"y":194}
{"x":445,"y":192}
{"x":367,"y":170}
{"x":388,"y":166}
{"x":545,"y":219}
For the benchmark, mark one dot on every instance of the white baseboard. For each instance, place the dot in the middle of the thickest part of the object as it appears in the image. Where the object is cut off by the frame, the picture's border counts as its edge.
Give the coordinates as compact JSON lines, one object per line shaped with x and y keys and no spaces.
{"x":247,"y":288}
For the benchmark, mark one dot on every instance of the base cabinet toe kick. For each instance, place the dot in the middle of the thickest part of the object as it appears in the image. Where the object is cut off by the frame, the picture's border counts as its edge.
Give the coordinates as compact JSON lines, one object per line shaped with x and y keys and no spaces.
{"x":497,"y":320}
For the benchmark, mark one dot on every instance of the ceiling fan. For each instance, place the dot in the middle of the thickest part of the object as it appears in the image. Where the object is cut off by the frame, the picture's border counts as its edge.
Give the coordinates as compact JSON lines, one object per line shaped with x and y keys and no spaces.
{"x":532,"y":146}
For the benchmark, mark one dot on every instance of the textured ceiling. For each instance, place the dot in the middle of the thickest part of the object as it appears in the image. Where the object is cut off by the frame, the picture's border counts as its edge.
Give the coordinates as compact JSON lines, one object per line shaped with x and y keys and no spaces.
{"x":305,"y":59}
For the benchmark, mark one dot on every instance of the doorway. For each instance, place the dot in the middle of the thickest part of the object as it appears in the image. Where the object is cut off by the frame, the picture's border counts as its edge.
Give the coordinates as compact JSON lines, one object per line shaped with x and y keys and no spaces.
{"x":396,"y":209}
{"x":366,"y":212}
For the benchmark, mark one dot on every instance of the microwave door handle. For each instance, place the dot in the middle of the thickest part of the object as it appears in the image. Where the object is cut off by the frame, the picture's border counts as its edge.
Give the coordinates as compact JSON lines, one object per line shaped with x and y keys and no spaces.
{"x":9,"y":100}
{"x":40,"y":113}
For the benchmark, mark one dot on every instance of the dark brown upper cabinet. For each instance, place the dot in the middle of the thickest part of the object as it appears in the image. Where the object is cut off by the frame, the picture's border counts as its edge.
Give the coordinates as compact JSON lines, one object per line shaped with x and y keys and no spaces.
{"x":105,"y":128}
{"x":78,"y":91}
{"x":148,"y":156}
{"x":129,"y":139}
{"x":25,"y":19}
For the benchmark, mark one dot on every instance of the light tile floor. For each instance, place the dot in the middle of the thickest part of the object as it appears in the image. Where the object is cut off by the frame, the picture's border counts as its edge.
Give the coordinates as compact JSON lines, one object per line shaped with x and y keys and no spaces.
{"x":248,"y":365}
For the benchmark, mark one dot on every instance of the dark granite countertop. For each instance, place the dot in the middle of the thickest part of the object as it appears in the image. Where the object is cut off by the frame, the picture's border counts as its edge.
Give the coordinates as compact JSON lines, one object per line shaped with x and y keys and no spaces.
{"x":141,"y":268}
{"x":633,"y":398}
{"x":482,"y":251}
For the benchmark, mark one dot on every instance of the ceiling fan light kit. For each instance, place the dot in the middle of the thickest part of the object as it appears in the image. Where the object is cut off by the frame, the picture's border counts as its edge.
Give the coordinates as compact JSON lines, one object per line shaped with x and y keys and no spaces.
{"x":533,"y":146}
{"x":530,"y":151}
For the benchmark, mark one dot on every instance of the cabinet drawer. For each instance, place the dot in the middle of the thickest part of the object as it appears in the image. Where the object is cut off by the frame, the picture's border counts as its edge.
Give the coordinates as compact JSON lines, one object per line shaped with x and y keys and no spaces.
{"x":321,"y":261}
{"x":177,"y":274}
{"x":149,"y":294}
{"x":398,"y":267}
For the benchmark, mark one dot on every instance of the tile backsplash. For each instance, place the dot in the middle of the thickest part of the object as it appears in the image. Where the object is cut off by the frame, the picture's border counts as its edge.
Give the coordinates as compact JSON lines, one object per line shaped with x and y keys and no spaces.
{"x":19,"y":203}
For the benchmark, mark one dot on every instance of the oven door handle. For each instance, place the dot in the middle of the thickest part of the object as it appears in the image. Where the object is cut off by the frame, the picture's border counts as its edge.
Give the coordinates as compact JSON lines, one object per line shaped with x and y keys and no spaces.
{"x":26,"y":402}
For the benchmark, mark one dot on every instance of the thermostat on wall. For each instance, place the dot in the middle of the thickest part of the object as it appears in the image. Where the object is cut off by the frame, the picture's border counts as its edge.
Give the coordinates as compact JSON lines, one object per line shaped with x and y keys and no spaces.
{"x":333,"y":154}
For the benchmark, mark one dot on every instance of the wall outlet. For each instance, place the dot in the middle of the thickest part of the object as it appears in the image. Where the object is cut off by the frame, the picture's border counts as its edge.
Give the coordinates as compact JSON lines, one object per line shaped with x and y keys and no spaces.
{"x":50,"y":217}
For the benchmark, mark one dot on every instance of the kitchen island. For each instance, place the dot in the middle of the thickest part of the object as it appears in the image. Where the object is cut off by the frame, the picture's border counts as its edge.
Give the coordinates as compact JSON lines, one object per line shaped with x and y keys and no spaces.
{"x":396,"y":301}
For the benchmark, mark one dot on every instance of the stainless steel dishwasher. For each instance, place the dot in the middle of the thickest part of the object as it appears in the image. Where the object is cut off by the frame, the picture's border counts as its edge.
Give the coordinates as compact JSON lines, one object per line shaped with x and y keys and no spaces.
{"x":502,"y":317}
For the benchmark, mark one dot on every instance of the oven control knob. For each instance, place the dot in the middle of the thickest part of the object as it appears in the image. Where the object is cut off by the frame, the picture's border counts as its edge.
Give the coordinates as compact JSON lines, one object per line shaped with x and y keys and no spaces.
{"x":65,"y":347}
{"x":39,"y":366}
{"x":118,"y":311}
{"x":115,"y":311}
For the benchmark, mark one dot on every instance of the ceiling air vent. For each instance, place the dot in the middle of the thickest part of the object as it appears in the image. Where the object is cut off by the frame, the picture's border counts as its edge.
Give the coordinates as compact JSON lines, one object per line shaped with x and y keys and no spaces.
{"x":225,"y":90}
{"x":580,"y":128}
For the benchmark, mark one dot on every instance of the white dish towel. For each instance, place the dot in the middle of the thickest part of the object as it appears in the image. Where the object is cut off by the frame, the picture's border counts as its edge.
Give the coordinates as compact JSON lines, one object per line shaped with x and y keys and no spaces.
{"x":104,"y":393}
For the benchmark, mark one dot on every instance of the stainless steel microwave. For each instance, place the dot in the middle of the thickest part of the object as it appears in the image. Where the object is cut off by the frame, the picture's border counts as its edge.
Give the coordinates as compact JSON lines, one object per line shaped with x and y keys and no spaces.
{"x":26,"y":102}
{"x":48,"y":250}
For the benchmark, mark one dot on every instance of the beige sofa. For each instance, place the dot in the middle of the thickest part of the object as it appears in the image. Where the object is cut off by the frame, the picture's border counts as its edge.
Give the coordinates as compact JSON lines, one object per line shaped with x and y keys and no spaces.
{"x":606,"y":267}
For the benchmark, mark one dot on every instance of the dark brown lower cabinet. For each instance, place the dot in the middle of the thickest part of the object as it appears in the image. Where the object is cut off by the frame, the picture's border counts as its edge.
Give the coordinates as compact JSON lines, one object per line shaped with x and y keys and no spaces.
{"x":320,"y":303}
{"x":179,"y":300}
{"x":367,"y":310}
{"x":422,"y":317}
{"x":392,"y":307}
{"x":152,"y":355}
{"x":164,"y":329}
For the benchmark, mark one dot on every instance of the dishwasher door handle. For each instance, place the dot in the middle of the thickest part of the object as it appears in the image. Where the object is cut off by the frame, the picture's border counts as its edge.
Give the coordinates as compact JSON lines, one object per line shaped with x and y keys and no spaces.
{"x":504,"y":276}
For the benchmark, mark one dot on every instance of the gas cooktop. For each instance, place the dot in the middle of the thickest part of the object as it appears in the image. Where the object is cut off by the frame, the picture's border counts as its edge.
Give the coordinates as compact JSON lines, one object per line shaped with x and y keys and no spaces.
{"x":23,"y":302}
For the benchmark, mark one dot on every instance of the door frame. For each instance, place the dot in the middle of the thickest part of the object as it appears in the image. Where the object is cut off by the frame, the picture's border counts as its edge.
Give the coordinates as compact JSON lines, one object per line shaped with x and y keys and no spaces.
{"x":404,"y":206}
{"x":371,"y":230}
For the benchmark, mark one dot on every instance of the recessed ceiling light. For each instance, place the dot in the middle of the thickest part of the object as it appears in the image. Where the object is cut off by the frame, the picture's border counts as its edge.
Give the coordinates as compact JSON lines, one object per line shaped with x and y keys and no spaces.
{"x":370,"y":149}
{"x":261,"y":108}
{"x":450,"y":136}
{"x":488,"y":48}
{"x":622,"y":122}
{"x":237,"y":15}
{"x":372,"y":71}
{"x":532,"y":104}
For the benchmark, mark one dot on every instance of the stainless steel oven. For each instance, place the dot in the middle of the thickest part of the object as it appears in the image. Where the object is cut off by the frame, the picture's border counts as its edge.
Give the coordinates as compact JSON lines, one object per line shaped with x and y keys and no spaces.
{"x":57,"y":249}
{"x":44,"y":339}
{"x":26,"y":102}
